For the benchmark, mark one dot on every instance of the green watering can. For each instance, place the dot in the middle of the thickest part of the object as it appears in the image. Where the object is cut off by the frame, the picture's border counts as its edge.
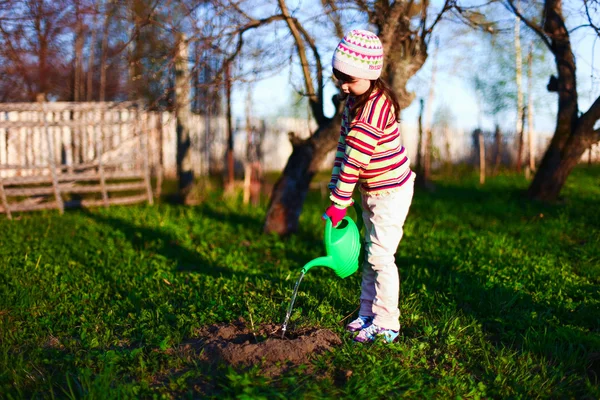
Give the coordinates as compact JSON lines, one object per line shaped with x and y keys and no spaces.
{"x":342,"y":246}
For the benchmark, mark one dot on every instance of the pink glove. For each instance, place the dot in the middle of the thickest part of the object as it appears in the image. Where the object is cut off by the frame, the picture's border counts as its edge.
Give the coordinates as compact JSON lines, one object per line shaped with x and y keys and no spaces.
{"x":335,"y":213}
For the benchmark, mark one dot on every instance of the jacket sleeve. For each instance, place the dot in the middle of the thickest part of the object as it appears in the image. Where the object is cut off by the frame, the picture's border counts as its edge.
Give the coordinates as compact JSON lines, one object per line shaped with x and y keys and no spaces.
{"x":339,"y":154}
{"x":360,"y":144}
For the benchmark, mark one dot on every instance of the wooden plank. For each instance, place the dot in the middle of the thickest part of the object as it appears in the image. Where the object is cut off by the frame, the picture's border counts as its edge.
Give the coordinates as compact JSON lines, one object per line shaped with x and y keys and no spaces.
{"x":32,"y":207}
{"x":34,"y":191}
{"x":75,"y":167}
{"x":54,"y":123}
{"x":128,"y":200}
{"x":86,"y":176}
{"x":112,"y":187}
{"x":59,"y":106}
{"x":27,"y":180}
{"x":48,"y":190}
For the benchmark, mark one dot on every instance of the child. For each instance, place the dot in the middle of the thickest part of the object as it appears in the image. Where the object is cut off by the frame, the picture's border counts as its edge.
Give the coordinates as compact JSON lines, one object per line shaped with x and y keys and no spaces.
{"x":369,"y":153}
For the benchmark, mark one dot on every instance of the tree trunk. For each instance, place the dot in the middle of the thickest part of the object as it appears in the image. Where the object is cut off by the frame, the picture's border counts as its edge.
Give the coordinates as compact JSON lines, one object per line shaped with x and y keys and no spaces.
{"x":92,"y":50}
{"x":481,"y":157}
{"x":185,"y":172}
{"x":519,"y":80}
{"x":77,"y":90}
{"x":498,"y":140}
{"x":290,"y":190}
{"x":230,"y":164}
{"x":105,"y":31}
{"x":530,"y":127}
{"x":419,"y":163}
{"x":555,"y":169}
{"x":521,"y":142}
{"x":573,"y":134}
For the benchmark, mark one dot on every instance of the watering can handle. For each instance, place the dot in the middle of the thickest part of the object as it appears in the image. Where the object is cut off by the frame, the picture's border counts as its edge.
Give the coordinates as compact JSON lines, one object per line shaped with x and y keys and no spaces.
{"x":328,"y":227}
{"x":359,"y":220}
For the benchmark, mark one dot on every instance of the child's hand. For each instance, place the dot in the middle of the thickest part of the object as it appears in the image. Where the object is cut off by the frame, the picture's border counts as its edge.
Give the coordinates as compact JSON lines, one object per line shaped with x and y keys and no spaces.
{"x":335,"y":213}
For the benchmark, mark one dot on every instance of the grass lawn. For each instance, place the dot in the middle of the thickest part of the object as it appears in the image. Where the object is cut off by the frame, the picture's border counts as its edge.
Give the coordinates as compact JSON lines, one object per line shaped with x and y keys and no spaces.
{"x":500,"y":299}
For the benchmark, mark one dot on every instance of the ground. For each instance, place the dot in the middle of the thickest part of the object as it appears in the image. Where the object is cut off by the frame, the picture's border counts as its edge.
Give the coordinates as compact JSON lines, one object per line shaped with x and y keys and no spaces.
{"x":500,"y":298}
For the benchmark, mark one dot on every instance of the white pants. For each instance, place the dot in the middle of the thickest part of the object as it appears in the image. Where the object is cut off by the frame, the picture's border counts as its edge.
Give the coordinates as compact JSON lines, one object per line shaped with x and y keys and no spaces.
{"x":384,"y":218}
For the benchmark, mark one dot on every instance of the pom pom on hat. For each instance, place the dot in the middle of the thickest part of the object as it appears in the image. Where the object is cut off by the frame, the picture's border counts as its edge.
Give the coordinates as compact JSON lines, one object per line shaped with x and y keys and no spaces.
{"x":359,"y":54}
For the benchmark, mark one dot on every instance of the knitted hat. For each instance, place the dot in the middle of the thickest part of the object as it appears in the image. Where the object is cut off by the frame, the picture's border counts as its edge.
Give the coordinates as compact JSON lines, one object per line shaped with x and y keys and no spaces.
{"x":359,"y":55}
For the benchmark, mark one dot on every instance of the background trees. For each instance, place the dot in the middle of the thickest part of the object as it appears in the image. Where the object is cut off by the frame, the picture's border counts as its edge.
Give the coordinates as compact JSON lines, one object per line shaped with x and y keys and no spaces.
{"x":120,"y":50}
{"x":575,"y":130}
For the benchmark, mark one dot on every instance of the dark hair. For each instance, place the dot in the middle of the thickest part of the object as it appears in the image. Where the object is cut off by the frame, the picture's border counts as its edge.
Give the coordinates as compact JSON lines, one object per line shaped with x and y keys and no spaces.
{"x":379,"y":85}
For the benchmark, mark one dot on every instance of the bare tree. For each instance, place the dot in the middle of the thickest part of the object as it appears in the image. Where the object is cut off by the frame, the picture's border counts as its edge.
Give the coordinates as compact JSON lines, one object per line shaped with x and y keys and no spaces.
{"x":575,"y":131}
{"x":92,"y":48}
{"x":108,"y":14}
{"x":32,"y":48}
{"x":405,"y":29}
{"x":519,"y":80}
{"x":425,"y":177}
{"x":530,"y":127}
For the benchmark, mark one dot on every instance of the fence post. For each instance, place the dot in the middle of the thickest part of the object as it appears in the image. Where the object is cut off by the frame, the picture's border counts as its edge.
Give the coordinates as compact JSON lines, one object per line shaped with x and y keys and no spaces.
{"x":159,"y":171}
{"x":59,"y":202}
{"x":4,"y":201}
{"x":144,"y":137}
{"x":99,"y":151}
{"x":481,"y":158}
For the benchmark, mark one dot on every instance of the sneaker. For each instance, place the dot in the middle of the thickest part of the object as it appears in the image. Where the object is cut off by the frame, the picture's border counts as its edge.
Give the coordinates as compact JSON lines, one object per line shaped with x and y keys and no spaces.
{"x":359,"y":323}
{"x":370,"y":333}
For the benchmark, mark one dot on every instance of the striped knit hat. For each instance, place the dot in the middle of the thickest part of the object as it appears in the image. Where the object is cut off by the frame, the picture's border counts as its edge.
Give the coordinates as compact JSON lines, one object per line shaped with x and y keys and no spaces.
{"x":359,"y":55}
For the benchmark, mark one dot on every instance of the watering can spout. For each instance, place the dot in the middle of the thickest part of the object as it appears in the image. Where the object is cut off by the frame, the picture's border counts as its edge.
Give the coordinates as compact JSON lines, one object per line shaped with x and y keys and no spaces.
{"x":326,"y":261}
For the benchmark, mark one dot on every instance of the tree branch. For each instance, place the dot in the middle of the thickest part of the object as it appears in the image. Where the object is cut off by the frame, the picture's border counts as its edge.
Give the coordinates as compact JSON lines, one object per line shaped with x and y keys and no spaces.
{"x":252,"y":24}
{"x":334,"y":17}
{"x":448,"y":5}
{"x":539,"y":31}
{"x":590,"y":117}
{"x":589,"y":17}
{"x":387,"y":33}
{"x":316,"y":107}
{"x":314,"y":99}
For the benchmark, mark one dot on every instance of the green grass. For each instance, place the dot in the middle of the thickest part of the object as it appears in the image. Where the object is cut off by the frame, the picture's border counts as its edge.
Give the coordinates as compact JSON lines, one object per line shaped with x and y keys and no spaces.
{"x":500,"y":299}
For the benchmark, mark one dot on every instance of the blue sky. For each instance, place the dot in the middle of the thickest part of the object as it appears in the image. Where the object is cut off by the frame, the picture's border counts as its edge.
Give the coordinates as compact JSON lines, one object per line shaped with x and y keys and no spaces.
{"x":452,"y":89}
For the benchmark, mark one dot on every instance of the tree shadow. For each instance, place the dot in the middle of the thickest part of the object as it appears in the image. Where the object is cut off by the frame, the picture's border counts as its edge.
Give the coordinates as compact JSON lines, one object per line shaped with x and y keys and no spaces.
{"x":138,"y":236}
{"x":514,"y":319}
{"x":189,"y":261}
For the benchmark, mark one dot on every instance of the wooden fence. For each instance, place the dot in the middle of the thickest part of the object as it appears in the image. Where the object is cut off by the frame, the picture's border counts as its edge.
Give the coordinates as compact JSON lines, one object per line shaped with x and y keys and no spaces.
{"x":58,"y":155}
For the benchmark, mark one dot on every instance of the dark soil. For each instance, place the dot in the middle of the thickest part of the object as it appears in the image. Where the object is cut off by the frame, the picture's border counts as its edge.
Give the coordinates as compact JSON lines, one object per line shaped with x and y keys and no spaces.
{"x":237,"y":344}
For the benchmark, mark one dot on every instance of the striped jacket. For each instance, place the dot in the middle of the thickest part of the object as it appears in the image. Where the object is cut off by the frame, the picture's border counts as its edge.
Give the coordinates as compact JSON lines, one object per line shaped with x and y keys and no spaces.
{"x":369,"y":152}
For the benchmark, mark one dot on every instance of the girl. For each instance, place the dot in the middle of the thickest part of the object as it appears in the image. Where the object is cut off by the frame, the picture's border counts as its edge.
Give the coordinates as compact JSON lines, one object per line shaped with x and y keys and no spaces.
{"x":369,"y":153}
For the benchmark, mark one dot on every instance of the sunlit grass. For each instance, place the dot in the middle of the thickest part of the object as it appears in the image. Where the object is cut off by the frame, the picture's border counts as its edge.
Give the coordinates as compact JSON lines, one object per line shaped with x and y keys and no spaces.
{"x":500,"y":298}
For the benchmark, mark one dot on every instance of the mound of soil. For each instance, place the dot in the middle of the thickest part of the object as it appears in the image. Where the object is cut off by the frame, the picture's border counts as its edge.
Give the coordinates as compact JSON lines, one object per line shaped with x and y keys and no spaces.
{"x":238,"y":345}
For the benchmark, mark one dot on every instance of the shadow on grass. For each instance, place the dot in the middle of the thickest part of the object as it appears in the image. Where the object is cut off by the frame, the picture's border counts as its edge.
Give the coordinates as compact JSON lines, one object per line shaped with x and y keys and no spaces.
{"x":169,"y":248}
{"x":510,"y":319}
{"x":189,"y":261}
{"x":567,"y":337}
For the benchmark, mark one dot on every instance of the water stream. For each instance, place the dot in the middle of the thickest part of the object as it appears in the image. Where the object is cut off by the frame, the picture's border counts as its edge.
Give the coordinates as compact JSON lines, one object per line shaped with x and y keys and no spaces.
{"x":291,"y":306}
